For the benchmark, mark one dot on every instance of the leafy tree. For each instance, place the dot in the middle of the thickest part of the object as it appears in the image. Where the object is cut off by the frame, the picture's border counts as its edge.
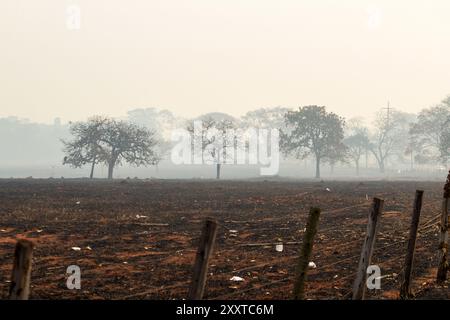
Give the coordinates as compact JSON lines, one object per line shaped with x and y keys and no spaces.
{"x":126,"y":142}
{"x":272,"y":118}
{"x":336,"y":155}
{"x":313,"y":130}
{"x":426,"y":134}
{"x":444,"y":146}
{"x":85,"y":148}
{"x":162,"y":122}
{"x":104,"y":140}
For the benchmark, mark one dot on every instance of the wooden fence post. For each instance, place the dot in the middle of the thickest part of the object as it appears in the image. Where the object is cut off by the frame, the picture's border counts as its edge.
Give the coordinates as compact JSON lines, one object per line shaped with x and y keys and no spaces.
{"x":21,"y":272}
{"x":359,"y":287}
{"x":443,"y":238}
{"x":204,"y":252}
{"x":405,"y":288}
{"x":305,"y":253}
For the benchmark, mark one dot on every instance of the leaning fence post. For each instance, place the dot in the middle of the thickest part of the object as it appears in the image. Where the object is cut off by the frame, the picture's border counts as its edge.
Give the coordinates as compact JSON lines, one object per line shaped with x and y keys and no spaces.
{"x":204,"y":252}
{"x":405,"y":288}
{"x":21,"y":272}
{"x":359,"y":287}
{"x":305,"y":253}
{"x":443,"y":238}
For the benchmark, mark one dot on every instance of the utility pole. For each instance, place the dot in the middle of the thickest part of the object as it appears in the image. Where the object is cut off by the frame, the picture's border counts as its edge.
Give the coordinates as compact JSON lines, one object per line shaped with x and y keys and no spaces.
{"x":388,"y":109}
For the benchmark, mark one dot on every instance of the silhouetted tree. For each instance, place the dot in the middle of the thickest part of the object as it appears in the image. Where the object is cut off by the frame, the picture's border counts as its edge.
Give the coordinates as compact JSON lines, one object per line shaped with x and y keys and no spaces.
{"x":85,"y":148}
{"x":271,"y":118}
{"x":390,"y":136}
{"x":444,"y":146}
{"x":126,"y":142}
{"x":357,"y":144}
{"x":215,"y":137}
{"x":426,"y":134}
{"x":104,"y":140}
{"x":312,"y":130}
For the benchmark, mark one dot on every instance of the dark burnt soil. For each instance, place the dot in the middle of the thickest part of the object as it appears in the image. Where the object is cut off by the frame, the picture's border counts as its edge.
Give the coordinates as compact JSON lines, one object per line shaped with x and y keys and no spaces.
{"x":138,"y":238}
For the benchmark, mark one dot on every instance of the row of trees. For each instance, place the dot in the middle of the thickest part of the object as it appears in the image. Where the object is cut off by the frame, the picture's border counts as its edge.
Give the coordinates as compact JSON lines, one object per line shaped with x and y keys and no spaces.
{"x":111,"y":142}
{"x":310,"y":131}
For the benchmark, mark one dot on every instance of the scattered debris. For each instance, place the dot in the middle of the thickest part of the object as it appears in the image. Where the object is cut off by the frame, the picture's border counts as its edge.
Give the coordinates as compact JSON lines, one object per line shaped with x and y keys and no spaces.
{"x":237,"y":279}
{"x":279,"y":247}
{"x":88,"y":248}
{"x":139,"y":216}
{"x":328,"y":189}
{"x":39,"y":230}
{"x":312,"y":265}
{"x":77,"y":203}
{"x":76,"y":248}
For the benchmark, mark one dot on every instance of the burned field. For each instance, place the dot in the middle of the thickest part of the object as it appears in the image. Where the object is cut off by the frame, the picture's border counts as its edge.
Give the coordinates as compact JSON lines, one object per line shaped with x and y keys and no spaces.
{"x":137,"y":239}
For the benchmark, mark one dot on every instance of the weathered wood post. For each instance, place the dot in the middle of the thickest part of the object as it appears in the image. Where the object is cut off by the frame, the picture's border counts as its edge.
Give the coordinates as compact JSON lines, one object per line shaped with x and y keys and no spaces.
{"x":359,"y":287}
{"x":443,"y":238}
{"x":405,"y":288}
{"x":21,"y":272}
{"x":204,"y":252}
{"x":305,"y":253}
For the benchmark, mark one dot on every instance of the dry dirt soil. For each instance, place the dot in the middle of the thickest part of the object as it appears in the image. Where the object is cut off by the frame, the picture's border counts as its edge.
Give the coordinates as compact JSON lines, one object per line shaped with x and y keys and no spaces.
{"x":138,"y":238}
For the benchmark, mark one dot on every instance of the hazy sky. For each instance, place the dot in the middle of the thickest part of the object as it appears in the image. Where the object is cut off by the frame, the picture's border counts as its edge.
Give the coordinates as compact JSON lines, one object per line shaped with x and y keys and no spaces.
{"x":197,"y":56}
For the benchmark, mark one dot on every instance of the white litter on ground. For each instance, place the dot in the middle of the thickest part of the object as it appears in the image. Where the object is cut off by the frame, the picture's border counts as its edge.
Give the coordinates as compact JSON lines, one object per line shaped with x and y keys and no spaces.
{"x":236,"y":278}
{"x":279,"y":247}
{"x":312,"y":265}
{"x":76,"y":248}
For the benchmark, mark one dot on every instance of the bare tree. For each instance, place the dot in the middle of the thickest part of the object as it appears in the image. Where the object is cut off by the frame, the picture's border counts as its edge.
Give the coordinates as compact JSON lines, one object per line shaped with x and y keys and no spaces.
{"x":390,"y":136}
{"x":216,"y":139}
{"x":312,"y":130}
{"x":357,"y":144}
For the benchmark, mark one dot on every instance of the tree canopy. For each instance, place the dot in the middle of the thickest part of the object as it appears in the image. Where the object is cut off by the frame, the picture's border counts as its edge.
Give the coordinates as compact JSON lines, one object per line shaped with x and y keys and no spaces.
{"x":112,"y":142}
{"x":313,"y":130}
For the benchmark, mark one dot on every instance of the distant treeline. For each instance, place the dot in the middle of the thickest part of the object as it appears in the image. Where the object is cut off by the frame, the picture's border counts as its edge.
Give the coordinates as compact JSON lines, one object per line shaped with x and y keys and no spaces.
{"x":394,"y":139}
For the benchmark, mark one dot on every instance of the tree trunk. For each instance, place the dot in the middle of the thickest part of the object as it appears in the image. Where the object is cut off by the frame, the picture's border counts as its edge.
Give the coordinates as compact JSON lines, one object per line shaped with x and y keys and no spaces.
{"x":92,"y":169}
{"x":218,"y":171}
{"x":317,"y":168}
{"x":367,"y":159}
{"x":110,"y":169}
{"x":381,"y":165}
